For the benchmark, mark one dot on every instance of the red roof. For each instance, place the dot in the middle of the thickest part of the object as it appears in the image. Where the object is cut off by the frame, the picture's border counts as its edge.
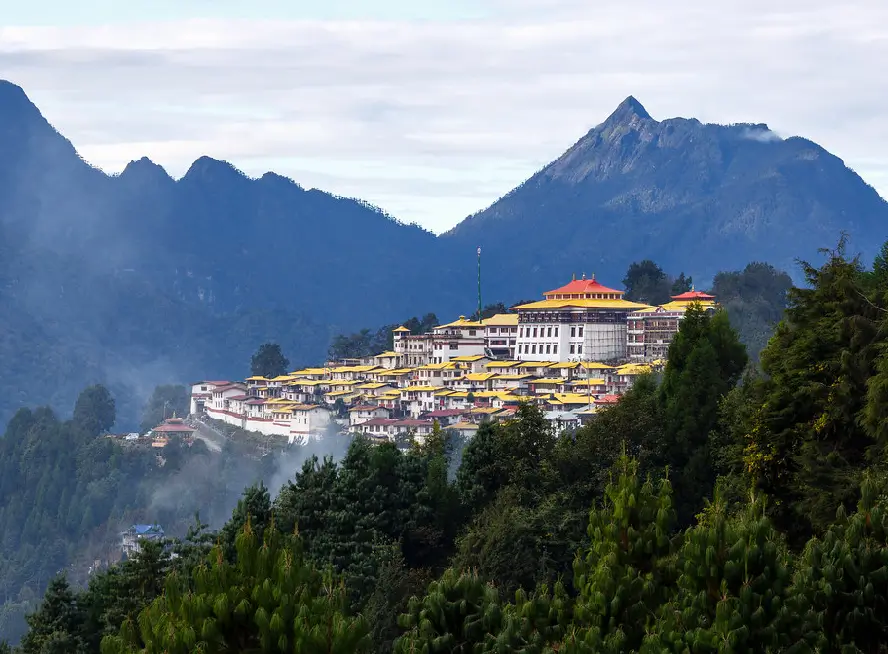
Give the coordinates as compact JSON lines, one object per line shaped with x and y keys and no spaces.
{"x":173,"y":425}
{"x":607,"y":399}
{"x":445,"y":413}
{"x":579,"y":286}
{"x":693,"y":295}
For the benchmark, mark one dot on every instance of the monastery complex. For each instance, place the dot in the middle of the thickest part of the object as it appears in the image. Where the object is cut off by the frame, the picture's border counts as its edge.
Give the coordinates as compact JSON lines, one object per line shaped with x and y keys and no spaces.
{"x":574,"y":351}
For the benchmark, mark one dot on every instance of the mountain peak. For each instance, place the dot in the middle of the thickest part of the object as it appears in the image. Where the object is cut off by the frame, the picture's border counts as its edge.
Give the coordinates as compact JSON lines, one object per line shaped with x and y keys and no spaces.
{"x":16,"y":107}
{"x":628,"y":111}
{"x":145,"y":170}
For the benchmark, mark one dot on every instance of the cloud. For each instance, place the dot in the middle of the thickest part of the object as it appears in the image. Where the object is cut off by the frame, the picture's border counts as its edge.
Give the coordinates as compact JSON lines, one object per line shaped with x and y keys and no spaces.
{"x":471,"y":107}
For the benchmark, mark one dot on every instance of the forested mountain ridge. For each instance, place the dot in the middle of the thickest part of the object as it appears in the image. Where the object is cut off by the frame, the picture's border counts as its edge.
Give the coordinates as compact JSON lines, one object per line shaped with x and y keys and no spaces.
{"x":710,"y":509}
{"x":140,"y":279}
{"x":692,"y":196}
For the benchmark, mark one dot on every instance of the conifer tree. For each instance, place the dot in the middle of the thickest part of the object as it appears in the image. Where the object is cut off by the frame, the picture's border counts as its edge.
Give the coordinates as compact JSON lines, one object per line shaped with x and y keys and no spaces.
{"x":622,"y":577}
{"x":808,"y":442}
{"x":270,"y":600}
{"x":456,"y":616}
{"x":839,"y":595}
{"x":56,"y":627}
{"x":733,"y":579}
{"x":705,"y":361}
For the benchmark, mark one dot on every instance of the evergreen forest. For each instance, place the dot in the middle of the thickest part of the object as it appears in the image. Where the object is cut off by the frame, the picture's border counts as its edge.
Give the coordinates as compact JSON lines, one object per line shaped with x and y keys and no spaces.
{"x":727,"y":505}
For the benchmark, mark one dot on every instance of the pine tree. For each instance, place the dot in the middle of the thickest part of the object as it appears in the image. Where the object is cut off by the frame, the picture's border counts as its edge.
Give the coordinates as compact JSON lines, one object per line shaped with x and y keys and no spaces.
{"x":705,"y":361}
{"x":269,"y":601}
{"x":622,"y":577}
{"x":57,"y":626}
{"x":840,"y":589}
{"x":457,"y":615}
{"x":734,"y":575}
{"x":808,"y":442}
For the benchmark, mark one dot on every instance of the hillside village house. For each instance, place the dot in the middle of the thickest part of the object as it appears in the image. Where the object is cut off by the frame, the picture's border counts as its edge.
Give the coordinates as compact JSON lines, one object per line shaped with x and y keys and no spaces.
{"x":131,"y":540}
{"x":572,"y":354}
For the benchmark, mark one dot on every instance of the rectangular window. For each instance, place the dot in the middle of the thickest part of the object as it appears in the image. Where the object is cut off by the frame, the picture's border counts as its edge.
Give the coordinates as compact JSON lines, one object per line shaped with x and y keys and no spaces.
{"x":533,"y":349}
{"x":471,"y":332}
{"x":580,"y":348}
{"x":580,"y":332}
{"x":548,"y":349}
{"x":556,"y":332}
{"x":555,"y":349}
{"x":534,"y":332}
{"x":573,"y":332}
{"x":549,"y":332}
{"x":573,"y":348}
{"x":493,"y":330}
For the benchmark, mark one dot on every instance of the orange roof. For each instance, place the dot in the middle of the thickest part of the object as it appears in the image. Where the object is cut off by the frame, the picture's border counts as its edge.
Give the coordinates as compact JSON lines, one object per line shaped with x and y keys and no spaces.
{"x":581,"y":287}
{"x":693,"y":295}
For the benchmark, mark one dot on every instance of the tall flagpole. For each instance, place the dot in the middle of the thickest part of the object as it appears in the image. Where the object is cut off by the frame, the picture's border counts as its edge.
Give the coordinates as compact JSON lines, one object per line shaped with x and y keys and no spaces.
{"x":479,"y":284}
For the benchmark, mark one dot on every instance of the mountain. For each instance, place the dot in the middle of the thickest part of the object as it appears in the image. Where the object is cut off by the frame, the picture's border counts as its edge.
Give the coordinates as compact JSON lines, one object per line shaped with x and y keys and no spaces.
{"x":692,"y":196}
{"x":138,"y":278}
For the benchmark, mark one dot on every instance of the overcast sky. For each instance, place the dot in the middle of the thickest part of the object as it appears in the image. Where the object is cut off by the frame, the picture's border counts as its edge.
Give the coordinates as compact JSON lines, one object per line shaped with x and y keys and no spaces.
{"x":434,"y":109}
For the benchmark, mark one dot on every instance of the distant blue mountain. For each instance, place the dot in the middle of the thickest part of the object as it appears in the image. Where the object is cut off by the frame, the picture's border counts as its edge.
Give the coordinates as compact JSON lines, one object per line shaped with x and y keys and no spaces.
{"x":139,"y":278}
{"x":691,"y":196}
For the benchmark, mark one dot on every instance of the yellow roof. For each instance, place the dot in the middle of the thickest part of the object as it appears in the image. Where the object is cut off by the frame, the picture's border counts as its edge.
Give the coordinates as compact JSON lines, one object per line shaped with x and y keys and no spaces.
{"x":464,"y":425}
{"x":571,"y":398}
{"x":373,"y":385}
{"x":411,"y":389}
{"x":517,"y":377}
{"x":311,"y":371}
{"x":633,"y":369}
{"x":479,"y":376}
{"x":565,"y":364}
{"x":462,"y":321}
{"x":535,"y":364}
{"x":549,"y":380}
{"x":445,"y":365}
{"x":582,"y":304}
{"x":396,"y":373}
{"x":256,"y":378}
{"x":344,"y":382}
{"x":459,"y":394}
{"x":281,"y":378}
{"x":444,"y":393}
{"x":684,"y":305}
{"x":338,"y":393}
{"x":485,"y":410}
{"x":588,"y":382}
{"x":279,"y":400}
{"x":595,"y":365}
{"x":502,"y":320}
{"x":387,"y":355}
{"x":402,"y":328}
{"x":469,"y":359}
{"x":502,"y":364}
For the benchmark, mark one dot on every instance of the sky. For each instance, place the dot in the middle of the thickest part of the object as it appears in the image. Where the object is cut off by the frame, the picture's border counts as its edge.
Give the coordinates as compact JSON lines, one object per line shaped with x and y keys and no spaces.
{"x":432,"y":110}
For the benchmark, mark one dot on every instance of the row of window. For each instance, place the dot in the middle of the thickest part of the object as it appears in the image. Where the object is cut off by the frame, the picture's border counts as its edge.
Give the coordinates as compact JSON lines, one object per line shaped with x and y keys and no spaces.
{"x":548,"y":348}
{"x":549,"y":332}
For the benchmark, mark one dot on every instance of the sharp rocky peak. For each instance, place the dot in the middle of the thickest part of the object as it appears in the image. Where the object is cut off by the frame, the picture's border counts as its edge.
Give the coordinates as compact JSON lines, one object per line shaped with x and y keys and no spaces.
{"x":629,"y":111}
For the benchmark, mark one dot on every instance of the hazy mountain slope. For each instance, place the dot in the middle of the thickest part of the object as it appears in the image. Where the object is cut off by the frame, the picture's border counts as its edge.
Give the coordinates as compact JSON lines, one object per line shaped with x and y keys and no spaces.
{"x":138,"y":279}
{"x":694,"y":197}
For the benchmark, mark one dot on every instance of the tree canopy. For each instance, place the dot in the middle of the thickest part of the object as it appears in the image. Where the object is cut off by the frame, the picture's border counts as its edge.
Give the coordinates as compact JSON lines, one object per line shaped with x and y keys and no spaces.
{"x":269,"y":361}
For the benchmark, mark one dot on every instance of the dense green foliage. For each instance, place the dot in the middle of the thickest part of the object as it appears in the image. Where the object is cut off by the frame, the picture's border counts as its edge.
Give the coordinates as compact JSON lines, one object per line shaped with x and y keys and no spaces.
{"x":647,"y":283}
{"x":66,"y":492}
{"x":692,"y":516}
{"x":269,"y":361}
{"x":367,"y":343}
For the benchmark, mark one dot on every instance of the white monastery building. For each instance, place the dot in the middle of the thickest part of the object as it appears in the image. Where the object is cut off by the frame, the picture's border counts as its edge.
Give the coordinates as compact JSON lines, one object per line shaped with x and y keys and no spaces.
{"x":581,"y":321}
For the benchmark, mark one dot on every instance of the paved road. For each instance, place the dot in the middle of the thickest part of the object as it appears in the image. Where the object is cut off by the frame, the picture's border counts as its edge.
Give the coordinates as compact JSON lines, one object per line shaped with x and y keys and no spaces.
{"x":208,"y":435}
